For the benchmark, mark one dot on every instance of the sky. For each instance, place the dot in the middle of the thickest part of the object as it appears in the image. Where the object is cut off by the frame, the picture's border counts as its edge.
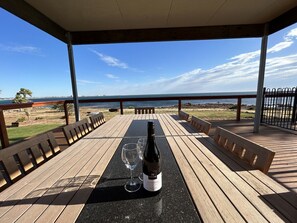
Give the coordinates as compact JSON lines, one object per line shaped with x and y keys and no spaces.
{"x":32,"y":59}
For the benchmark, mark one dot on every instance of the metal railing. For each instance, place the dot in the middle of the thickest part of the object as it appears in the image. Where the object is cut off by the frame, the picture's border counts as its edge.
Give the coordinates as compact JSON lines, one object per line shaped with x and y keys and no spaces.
{"x":279,"y":107}
{"x":121,"y":101}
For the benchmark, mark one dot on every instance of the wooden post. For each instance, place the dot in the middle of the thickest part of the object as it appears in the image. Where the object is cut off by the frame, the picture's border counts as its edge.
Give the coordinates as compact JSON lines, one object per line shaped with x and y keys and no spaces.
{"x":3,"y":131}
{"x":260,"y":86}
{"x":179,"y":105}
{"x":121,"y":106}
{"x":73,"y":78}
{"x":238,"y":109}
{"x":66,"y":113}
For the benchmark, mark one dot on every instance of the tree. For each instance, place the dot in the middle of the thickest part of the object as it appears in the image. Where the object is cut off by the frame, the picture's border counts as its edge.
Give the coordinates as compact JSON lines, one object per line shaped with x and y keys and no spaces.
{"x":21,"y":96}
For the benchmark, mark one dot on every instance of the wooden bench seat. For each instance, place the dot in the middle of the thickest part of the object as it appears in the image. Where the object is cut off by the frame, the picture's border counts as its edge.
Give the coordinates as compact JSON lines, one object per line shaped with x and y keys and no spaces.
{"x":183,"y":115}
{"x":97,"y":120}
{"x":19,"y":159}
{"x":75,"y":131}
{"x":200,"y":124}
{"x":144,"y":110}
{"x":256,"y":155}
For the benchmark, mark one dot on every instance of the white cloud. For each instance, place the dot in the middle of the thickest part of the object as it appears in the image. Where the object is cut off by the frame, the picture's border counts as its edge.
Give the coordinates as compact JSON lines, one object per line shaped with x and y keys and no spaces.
{"x":239,"y":73}
{"x":292,"y":34}
{"x":20,"y":49}
{"x":111,"y":61}
{"x":111,"y":76}
{"x":280,"y":46}
{"x":83,"y":82}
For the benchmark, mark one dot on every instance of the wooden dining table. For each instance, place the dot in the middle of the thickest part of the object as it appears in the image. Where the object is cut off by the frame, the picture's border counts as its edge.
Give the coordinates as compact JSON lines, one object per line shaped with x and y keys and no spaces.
{"x":201,"y":183}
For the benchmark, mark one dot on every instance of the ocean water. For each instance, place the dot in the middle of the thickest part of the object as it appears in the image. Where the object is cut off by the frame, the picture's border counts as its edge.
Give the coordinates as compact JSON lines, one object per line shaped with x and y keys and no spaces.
{"x":165,"y":103}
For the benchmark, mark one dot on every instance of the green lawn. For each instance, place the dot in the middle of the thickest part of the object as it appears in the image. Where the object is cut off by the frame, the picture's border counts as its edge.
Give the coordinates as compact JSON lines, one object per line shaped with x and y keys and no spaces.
{"x":220,"y":114}
{"x":19,"y":133}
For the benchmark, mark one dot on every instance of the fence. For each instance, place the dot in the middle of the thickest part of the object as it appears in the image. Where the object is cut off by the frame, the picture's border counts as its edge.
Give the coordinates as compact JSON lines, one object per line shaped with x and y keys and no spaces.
{"x":279,"y":107}
{"x":3,"y":131}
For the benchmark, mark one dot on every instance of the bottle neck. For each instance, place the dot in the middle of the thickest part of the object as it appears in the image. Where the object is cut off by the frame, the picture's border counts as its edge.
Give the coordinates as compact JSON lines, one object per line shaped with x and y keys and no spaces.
{"x":151,"y":131}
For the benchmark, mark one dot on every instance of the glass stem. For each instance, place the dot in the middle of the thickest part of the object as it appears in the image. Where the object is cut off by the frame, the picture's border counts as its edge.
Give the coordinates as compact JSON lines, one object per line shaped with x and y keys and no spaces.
{"x":131,"y":175}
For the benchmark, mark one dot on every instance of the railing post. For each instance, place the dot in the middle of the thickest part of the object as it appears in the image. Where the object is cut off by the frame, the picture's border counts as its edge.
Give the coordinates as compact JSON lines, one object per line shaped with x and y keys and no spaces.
{"x":3,"y":131}
{"x":238,"y":109}
{"x":294,"y":112}
{"x":66,"y":113}
{"x":121,"y":106}
{"x":263,"y":104}
{"x":179,"y":104}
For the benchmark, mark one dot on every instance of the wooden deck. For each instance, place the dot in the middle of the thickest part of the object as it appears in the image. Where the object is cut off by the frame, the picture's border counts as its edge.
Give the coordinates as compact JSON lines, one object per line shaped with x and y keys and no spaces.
{"x":284,"y":143}
{"x":284,"y":166}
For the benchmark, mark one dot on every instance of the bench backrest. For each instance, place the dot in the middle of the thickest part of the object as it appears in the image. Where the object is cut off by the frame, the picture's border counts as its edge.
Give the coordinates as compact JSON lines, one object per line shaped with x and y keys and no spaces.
{"x":19,"y":159}
{"x":73,"y":132}
{"x":256,"y":155}
{"x":144,"y":110}
{"x":183,"y":115}
{"x":200,"y":124}
{"x":97,"y":120}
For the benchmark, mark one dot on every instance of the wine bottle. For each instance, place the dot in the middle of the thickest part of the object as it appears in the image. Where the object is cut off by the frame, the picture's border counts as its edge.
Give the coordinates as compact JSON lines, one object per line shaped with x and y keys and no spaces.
{"x":152,"y":174}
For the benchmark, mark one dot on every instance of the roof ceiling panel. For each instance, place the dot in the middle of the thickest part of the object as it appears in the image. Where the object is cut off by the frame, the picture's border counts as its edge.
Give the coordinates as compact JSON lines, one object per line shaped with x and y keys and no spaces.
{"x":78,"y":15}
{"x":250,"y":11}
{"x":106,"y":21}
{"x":143,"y":13}
{"x":193,"y":13}
{"x":89,"y":15}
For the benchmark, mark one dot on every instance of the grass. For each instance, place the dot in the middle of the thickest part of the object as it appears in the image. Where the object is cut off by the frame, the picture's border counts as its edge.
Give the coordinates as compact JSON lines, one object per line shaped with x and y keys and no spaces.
{"x":19,"y":133}
{"x":22,"y":132}
{"x":220,"y":114}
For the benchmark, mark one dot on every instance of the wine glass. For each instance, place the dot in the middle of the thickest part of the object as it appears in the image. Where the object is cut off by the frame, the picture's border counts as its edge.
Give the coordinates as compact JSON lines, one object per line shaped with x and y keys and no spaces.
{"x":130,"y":157}
{"x":141,"y":145}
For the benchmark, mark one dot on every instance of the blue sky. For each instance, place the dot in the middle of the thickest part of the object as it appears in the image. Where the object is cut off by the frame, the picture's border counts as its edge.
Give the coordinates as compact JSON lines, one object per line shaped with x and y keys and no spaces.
{"x":30,"y":58}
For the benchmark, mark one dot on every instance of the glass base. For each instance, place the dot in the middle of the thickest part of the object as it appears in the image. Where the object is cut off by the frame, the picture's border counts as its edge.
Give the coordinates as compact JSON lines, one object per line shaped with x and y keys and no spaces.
{"x":132,"y":186}
{"x":140,"y":177}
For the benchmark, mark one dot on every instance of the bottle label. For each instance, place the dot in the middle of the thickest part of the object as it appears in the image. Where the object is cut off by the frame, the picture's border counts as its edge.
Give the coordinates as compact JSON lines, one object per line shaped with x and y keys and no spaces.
{"x":152,"y":183}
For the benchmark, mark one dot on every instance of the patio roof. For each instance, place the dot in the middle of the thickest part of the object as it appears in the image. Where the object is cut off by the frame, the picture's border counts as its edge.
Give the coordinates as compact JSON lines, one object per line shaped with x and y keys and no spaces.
{"x":118,"y":21}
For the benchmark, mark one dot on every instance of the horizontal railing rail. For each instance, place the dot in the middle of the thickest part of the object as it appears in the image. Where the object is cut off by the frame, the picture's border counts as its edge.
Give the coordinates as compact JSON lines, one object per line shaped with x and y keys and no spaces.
{"x":121,"y":101}
{"x":179,"y":100}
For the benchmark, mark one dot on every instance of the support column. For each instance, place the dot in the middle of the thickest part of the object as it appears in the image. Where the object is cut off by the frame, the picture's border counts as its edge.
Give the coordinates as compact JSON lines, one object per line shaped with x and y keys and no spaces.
{"x":261,"y":80}
{"x":73,"y":78}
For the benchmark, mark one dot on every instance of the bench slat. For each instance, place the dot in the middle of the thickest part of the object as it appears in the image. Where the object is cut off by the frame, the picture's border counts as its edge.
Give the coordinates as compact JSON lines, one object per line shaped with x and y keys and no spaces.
{"x":256,"y":155}
{"x":200,"y":124}
{"x":144,"y":110}
{"x":97,"y":120}
{"x":75,"y":131}
{"x":21,"y":158}
{"x":183,"y":115}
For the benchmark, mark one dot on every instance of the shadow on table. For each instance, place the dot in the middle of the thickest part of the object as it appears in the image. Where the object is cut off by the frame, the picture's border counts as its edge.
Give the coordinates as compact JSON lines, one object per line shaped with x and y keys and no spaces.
{"x":61,"y":193}
{"x":285,"y":203}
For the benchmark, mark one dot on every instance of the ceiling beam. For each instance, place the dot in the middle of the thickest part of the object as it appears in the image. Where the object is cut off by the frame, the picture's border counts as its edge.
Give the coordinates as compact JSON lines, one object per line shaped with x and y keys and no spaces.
{"x":26,"y":12}
{"x":168,"y":34}
{"x":283,"y":21}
